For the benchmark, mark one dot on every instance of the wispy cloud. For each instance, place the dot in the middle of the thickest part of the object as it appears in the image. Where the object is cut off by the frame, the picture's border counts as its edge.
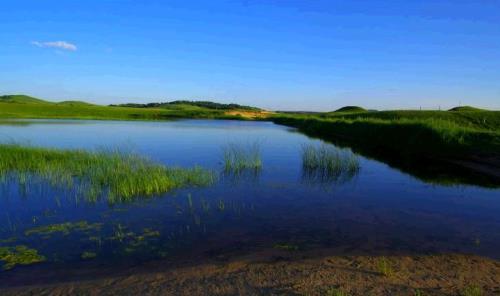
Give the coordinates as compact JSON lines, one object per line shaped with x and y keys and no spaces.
{"x":56,"y":44}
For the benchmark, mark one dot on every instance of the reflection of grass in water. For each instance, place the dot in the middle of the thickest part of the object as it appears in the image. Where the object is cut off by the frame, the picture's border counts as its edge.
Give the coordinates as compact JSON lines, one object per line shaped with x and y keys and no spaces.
{"x":240,"y":157}
{"x":88,"y":255}
{"x":113,"y":174}
{"x":326,"y":163}
{"x":19,"y":255}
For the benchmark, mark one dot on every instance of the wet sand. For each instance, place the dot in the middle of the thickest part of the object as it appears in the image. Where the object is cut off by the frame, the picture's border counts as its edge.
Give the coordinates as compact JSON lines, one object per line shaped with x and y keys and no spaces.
{"x":281,"y":272}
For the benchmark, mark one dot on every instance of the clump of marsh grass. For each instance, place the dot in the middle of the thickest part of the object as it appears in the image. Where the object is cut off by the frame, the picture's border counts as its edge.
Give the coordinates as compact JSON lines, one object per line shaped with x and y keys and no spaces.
{"x":335,"y":292}
{"x":384,"y":267}
{"x":238,"y":157}
{"x":110,"y":174}
{"x":472,"y":290}
{"x":326,"y":163}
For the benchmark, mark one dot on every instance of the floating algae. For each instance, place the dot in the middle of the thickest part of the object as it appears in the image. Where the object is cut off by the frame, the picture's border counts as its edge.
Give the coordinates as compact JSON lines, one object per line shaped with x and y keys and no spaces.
{"x":65,"y":228}
{"x":19,"y":255}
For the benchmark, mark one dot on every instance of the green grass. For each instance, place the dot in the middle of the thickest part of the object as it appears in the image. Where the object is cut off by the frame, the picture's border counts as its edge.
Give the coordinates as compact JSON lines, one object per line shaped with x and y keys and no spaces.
{"x":238,"y":157}
{"x":328,"y":163}
{"x":20,"y":106}
{"x":21,"y":99}
{"x":472,"y":290}
{"x":432,"y":133}
{"x":113,"y":175}
{"x":384,"y":267}
{"x":336,"y":292}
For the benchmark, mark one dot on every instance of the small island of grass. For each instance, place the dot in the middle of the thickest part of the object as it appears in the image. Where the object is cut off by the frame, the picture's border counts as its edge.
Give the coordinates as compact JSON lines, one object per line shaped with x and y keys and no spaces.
{"x":114,"y":175}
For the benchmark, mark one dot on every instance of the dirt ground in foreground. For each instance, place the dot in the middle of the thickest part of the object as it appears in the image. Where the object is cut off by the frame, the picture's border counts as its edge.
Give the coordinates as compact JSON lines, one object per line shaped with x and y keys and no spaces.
{"x":287,"y":274}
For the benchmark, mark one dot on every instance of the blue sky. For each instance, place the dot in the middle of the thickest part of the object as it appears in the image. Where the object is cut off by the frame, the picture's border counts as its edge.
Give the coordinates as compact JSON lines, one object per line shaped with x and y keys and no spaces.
{"x":285,"y":55}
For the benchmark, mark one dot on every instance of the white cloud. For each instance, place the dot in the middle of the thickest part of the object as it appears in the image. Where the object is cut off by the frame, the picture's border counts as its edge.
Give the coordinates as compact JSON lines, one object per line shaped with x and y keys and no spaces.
{"x":56,"y":44}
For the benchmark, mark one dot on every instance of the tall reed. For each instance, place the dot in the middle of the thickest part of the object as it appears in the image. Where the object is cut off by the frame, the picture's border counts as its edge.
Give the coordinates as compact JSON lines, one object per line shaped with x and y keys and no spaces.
{"x":238,"y":157}
{"x":328,"y":163}
{"x":115,"y":175}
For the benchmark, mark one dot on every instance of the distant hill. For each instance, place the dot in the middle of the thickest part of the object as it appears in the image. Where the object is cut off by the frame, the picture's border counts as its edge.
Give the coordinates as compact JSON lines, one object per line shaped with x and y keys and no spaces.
{"x":351,"y":109}
{"x":21,"y":99}
{"x":75,"y":103}
{"x":465,"y":108}
{"x":199,"y":104}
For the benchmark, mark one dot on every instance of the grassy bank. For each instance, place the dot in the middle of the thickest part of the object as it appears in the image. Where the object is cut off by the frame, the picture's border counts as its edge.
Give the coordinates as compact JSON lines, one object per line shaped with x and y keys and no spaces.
{"x":441,"y":134}
{"x":113,"y":175}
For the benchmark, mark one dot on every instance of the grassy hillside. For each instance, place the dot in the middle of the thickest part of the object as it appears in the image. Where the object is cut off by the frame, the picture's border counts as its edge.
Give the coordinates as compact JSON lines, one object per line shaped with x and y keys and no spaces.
{"x":351,"y":109}
{"x":20,"y":106}
{"x":21,"y":99}
{"x":465,"y":108}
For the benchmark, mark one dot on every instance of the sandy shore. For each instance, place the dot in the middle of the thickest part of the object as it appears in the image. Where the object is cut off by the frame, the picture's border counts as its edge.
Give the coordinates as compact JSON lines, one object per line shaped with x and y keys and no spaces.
{"x":291,"y":273}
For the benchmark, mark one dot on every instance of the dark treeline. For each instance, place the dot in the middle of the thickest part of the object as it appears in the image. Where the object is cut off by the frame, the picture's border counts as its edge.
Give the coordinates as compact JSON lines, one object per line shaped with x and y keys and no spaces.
{"x":203,"y":104}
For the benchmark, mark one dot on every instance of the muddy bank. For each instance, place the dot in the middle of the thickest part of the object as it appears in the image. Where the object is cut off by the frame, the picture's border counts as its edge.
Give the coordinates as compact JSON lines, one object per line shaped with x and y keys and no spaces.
{"x":288,"y":273}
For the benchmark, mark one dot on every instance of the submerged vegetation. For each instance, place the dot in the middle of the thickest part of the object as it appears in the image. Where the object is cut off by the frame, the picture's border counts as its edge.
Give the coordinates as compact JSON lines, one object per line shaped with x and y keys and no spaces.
{"x":19,"y":255}
{"x":114,"y":175}
{"x":326,"y":163}
{"x":238,"y":157}
{"x":64,"y":228}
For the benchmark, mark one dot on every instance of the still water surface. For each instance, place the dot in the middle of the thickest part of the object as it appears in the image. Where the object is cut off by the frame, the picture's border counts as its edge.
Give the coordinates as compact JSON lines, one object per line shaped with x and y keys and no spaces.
{"x":379,"y":211}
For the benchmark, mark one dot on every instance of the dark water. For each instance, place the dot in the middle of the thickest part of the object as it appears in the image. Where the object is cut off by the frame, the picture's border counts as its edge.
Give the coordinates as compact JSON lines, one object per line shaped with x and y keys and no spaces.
{"x":379,"y":211}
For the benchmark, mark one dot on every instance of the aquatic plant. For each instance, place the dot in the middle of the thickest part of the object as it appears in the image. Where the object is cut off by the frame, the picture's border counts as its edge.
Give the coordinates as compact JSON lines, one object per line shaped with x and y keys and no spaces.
{"x":238,"y":157}
{"x":335,"y":292}
{"x":384,"y":267}
{"x":65,"y":228}
{"x":472,"y":290}
{"x":111,"y":174}
{"x":286,"y":246}
{"x":88,"y":255}
{"x":221,"y":205}
{"x":19,"y":255}
{"x":327,"y":163}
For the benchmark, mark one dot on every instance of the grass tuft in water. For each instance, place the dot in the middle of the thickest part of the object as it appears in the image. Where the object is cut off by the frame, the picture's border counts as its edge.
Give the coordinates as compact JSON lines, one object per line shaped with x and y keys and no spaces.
{"x":472,"y":290}
{"x":384,"y":267}
{"x":88,"y":255}
{"x":110,"y":174}
{"x":327,"y":163}
{"x":238,"y":157}
{"x":335,"y":292}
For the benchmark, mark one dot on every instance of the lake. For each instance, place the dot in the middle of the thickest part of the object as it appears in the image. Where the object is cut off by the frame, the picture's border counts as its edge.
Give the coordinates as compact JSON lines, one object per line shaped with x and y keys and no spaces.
{"x":380,"y":210}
